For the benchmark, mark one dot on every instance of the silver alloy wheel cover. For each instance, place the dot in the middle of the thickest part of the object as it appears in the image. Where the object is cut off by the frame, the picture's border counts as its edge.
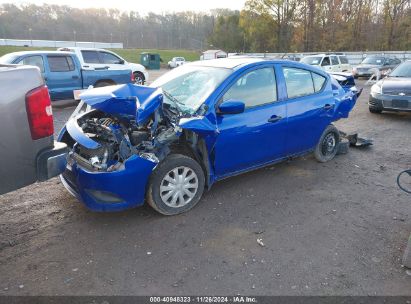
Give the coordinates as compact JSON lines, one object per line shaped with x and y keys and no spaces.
{"x":178,"y":187}
{"x":138,"y":79}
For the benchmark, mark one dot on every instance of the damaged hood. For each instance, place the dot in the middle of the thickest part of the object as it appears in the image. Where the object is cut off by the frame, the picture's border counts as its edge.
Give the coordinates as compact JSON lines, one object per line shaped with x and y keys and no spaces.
{"x":126,"y":101}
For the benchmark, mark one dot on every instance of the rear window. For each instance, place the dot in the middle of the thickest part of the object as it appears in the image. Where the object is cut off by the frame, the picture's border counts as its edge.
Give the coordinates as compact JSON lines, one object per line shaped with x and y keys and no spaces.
{"x":60,"y":63}
{"x":90,"y":57}
{"x":343,"y":59}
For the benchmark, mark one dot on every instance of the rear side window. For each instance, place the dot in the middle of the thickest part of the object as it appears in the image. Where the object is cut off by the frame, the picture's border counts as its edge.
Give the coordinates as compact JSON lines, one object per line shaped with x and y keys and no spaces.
{"x":343,"y":59}
{"x":334,"y":60}
{"x":33,"y":60}
{"x":301,"y":82}
{"x":255,"y":88}
{"x":60,"y":63}
{"x":90,"y":57}
{"x":318,"y":81}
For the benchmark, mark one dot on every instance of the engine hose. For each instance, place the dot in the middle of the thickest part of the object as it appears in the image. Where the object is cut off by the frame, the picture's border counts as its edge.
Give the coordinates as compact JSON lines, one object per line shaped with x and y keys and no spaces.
{"x":399,"y":183}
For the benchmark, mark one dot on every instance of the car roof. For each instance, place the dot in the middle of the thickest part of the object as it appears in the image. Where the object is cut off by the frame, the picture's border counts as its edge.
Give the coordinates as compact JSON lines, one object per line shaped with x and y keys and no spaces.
{"x":79,"y":48}
{"x":23,"y":53}
{"x":234,"y":62}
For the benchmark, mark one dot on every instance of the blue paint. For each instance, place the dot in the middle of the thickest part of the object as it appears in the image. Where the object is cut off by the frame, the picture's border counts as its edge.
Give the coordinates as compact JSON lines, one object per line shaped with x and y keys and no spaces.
{"x":234,"y":143}
{"x":61,"y":84}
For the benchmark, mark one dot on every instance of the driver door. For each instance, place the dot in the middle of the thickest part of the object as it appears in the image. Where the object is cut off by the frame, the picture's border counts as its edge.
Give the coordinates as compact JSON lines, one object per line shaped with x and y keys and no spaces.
{"x":256,"y":136}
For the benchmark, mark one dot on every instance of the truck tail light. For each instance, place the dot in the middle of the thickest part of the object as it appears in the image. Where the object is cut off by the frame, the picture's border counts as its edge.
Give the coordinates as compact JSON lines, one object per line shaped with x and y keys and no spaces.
{"x":39,"y":112}
{"x":133,"y":78}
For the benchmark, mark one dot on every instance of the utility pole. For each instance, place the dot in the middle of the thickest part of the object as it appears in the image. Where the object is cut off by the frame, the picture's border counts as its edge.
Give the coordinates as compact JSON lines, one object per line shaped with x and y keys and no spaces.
{"x":31,"y":38}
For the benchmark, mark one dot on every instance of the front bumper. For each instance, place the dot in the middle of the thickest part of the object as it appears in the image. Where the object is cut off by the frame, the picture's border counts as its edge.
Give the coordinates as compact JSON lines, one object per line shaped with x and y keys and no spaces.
{"x":394,"y":103}
{"x":52,"y":162}
{"x":109,"y":191}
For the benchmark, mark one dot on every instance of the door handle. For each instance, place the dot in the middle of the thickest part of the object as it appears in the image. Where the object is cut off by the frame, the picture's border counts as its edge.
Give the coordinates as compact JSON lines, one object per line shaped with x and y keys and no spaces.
{"x":74,"y":77}
{"x":328,"y":107}
{"x":274,"y":118}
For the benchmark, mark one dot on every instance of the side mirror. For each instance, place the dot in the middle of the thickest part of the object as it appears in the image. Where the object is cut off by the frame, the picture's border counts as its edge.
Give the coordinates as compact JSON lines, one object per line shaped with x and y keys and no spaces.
{"x":121,"y":61}
{"x":231,"y":107}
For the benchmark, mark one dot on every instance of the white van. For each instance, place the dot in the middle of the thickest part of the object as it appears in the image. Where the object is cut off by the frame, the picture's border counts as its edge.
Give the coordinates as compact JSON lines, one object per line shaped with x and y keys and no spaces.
{"x":329,"y":62}
{"x":91,"y":58}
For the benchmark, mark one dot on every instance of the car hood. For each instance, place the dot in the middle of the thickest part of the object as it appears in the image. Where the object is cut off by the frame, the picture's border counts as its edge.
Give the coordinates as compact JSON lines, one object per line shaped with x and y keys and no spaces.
{"x":367,"y":66}
{"x":396,"y":85}
{"x":126,"y":101}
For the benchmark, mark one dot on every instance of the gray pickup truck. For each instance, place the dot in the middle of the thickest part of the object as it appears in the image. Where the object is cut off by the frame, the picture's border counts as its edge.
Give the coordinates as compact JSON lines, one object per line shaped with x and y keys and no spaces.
{"x":28,"y":152}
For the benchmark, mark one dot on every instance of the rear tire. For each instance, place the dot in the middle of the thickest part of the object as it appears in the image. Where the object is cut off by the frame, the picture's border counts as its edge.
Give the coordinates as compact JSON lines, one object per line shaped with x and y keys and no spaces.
{"x":176,"y":185}
{"x":374,"y":110}
{"x":327,"y":146}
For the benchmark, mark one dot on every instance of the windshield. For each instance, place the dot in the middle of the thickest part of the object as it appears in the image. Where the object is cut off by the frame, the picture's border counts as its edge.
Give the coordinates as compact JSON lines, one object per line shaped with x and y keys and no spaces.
{"x":374,"y":60}
{"x":311,"y":60}
{"x":8,"y":58}
{"x":189,"y":85}
{"x":403,"y":70}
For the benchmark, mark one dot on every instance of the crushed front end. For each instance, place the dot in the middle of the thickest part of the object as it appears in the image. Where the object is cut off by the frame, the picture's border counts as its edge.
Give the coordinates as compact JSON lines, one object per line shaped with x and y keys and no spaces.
{"x":115,"y":145}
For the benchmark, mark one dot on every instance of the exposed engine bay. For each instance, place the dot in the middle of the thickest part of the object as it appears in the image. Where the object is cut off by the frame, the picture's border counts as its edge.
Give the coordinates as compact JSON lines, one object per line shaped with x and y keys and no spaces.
{"x":120,"y":139}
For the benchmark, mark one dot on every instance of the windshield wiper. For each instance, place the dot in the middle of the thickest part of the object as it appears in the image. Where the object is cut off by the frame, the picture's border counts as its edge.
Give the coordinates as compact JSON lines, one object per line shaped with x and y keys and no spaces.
{"x":175,"y":101}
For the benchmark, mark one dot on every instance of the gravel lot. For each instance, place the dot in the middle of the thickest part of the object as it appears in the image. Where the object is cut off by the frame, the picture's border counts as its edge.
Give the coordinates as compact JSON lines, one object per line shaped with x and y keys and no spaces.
{"x":337,"y":228}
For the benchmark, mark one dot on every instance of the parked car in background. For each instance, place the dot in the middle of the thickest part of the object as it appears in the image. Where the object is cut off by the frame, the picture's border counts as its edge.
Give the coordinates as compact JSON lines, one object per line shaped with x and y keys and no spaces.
{"x":28,"y":152}
{"x":198,"y":124}
{"x":99,"y":58}
{"x":329,"y":62}
{"x":393,"y":93}
{"x":176,"y":62}
{"x":63,"y":73}
{"x":375,"y":64}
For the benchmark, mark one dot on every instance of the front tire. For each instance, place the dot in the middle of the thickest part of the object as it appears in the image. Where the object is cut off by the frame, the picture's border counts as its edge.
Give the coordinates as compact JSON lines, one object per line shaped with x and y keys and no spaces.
{"x":176,"y":185}
{"x":327,"y":146}
{"x":374,"y":110}
{"x":139,"y":78}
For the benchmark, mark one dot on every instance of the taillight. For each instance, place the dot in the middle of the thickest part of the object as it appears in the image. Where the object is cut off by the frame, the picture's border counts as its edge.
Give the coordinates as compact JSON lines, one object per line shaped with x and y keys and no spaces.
{"x":39,"y":113}
{"x":133,"y":79}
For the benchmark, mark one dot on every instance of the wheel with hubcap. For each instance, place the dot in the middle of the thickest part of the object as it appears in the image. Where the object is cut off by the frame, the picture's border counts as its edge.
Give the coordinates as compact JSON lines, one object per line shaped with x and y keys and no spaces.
{"x":176,"y":185}
{"x":327,"y":146}
{"x":139,"y":78}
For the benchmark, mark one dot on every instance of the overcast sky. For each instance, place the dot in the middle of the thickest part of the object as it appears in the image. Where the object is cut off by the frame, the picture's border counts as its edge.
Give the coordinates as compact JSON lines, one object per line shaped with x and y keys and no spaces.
{"x":143,"y":6}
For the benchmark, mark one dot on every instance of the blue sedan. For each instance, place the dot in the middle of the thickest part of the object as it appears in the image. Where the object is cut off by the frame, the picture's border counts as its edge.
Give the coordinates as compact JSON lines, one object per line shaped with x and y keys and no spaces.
{"x":196,"y":125}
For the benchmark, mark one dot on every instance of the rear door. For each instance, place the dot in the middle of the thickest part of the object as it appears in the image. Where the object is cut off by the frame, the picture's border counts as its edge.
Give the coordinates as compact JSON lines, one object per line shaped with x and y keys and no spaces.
{"x":310,"y":106}
{"x":344,"y":63}
{"x":335,"y":64}
{"x":63,"y":77}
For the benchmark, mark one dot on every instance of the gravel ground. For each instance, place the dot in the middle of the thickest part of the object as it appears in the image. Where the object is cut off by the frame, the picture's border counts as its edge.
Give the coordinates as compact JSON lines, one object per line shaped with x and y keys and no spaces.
{"x":337,"y":228}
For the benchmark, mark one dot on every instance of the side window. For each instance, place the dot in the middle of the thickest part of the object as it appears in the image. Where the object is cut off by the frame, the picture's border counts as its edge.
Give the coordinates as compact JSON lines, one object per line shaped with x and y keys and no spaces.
{"x":254,"y":88}
{"x":298,"y":81}
{"x":318,"y":81}
{"x":326,"y":61}
{"x":60,"y":63}
{"x":109,"y":58}
{"x":90,"y":57}
{"x":334,"y":60}
{"x":343,"y":59}
{"x":33,"y":60}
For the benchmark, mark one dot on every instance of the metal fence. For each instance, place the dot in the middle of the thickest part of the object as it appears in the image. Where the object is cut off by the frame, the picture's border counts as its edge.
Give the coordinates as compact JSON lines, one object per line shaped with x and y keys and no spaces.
{"x":58,"y":44}
{"x":353,"y":57}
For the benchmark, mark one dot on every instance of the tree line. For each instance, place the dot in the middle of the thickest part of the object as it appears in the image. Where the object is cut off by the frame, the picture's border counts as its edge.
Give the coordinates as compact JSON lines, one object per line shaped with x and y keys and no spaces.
{"x":261,"y":26}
